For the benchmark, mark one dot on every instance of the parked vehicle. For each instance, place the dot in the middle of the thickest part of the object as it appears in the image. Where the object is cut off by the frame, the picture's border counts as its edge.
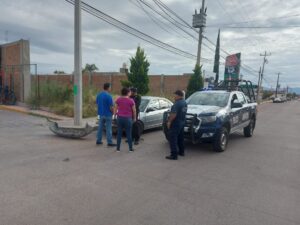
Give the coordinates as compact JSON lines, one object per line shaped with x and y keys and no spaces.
{"x":278,"y":100}
{"x":213,"y":115}
{"x":151,"y":112}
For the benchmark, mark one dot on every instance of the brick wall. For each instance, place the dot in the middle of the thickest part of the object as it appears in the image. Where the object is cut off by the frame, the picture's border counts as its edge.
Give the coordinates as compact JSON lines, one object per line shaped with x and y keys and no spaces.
{"x":14,"y":68}
{"x":158,"y":85}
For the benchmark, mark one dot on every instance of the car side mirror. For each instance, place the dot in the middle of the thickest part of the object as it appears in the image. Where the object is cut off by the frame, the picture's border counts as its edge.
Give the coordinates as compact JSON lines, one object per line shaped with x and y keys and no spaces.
{"x":150,"y":109}
{"x":235,"y":105}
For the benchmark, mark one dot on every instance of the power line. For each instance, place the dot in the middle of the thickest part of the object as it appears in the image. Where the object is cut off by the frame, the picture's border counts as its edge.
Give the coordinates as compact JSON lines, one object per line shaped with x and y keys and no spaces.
{"x":255,"y":21}
{"x":120,"y":25}
{"x":174,"y":22}
{"x":247,"y":68}
{"x":232,"y":19}
{"x":176,"y":15}
{"x":139,"y":5}
{"x":163,"y":9}
{"x":256,"y":27}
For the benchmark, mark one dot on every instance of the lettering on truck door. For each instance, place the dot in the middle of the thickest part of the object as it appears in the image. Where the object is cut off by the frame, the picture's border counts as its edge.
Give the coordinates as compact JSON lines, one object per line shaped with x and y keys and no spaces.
{"x":235,"y":112}
{"x":245,"y":111}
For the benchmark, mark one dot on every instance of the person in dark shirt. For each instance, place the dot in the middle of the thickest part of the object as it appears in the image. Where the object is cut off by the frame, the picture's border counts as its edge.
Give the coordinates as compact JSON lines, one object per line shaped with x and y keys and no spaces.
{"x":175,"y":124}
{"x":105,"y":111}
{"x":6,"y":94}
{"x":136,"y":126}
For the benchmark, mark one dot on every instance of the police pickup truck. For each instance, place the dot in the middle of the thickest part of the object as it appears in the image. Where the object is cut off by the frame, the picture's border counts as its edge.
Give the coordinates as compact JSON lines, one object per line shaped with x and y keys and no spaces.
{"x":215,"y":114}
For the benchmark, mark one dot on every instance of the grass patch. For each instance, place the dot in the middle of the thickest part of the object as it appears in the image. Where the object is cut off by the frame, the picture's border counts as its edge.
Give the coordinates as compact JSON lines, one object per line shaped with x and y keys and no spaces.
{"x":59,"y":99}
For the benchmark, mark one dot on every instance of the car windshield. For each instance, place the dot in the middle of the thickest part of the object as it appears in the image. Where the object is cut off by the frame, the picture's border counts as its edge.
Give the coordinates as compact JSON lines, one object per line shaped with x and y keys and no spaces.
{"x":208,"y":98}
{"x":143,"y":105}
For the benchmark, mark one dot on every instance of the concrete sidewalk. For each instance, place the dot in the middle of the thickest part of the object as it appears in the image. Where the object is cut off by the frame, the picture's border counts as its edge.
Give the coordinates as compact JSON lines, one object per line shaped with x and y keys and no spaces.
{"x":40,"y":113}
{"x":61,"y":120}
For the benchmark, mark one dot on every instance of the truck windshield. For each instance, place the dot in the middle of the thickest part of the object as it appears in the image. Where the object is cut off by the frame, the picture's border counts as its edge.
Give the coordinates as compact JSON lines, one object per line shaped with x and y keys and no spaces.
{"x":209,"y":98}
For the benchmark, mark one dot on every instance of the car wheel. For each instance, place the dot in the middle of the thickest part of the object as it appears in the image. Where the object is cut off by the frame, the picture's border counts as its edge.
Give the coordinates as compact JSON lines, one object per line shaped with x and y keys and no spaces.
{"x":248,"y":131}
{"x":221,"y":140}
{"x":140,"y":127}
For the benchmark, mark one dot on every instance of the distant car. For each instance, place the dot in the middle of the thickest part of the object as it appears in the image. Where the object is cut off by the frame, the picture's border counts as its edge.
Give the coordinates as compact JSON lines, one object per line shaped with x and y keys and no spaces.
{"x":151,"y":113}
{"x":278,"y":100}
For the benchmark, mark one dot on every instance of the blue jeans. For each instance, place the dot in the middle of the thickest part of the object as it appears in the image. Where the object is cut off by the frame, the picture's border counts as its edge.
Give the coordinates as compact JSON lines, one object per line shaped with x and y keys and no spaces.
{"x":176,"y":140}
{"x":124,"y":123}
{"x":108,"y":124}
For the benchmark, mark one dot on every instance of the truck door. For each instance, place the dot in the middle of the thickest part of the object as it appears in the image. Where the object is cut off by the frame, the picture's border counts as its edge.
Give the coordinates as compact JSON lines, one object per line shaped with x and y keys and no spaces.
{"x":245,"y":110}
{"x":235,"y":115}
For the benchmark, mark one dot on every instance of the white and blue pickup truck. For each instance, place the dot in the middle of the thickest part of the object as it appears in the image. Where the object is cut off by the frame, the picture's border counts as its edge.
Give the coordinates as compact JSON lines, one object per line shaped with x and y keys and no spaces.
{"x":215,"y":114}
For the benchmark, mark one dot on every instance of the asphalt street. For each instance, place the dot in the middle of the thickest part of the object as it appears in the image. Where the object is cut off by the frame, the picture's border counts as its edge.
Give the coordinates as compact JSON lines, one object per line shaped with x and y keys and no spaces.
{"x":47,"y":180}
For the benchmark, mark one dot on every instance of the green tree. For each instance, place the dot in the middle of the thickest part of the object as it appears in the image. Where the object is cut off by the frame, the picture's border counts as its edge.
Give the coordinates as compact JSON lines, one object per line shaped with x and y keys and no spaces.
{"x":138,"y":72}
{"x":126,"y":83}
{"x":195,"y":82}
{"x":90,"y":68}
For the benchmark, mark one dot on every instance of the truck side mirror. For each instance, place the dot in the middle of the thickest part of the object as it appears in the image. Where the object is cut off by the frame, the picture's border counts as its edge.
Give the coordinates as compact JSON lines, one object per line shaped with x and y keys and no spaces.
{"x":236,"y":105}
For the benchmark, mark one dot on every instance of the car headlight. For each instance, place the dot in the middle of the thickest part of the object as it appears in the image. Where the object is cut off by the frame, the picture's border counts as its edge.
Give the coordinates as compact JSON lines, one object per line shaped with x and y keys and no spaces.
{"x":207,"y":119}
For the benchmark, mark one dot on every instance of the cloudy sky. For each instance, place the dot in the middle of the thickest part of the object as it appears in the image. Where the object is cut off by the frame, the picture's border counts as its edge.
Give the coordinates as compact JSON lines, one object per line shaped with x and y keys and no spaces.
{"x":49,"y":27}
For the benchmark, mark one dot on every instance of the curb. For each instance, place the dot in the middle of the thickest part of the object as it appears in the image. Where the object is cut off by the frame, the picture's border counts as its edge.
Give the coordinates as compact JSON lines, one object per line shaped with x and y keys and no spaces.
{"x":7,"y":108}
{"x":265,"y":102}
{"x":29,"y":112}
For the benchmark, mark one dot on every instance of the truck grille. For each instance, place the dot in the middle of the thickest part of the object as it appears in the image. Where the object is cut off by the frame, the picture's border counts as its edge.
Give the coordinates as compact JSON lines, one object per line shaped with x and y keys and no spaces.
{"x":190,"y":121}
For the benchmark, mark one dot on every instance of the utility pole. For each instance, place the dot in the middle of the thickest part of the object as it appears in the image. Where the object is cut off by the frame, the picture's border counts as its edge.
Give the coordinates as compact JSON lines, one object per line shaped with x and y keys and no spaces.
{"x":277,"y":85}
{"x":263,"y":70}
{"x":258,"y":85}
{"x":199,"y":21}
{"x":217,"y":60}
{"x":77,"y":66}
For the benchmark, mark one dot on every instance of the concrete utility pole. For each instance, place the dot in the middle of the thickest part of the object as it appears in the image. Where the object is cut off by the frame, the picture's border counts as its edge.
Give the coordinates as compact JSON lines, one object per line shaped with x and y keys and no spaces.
{"x":258,"y":85}
{"x":277,"y":85}
{"x":77,"y":66}
{"x":199,"y":21}
{"x":263,"y":69}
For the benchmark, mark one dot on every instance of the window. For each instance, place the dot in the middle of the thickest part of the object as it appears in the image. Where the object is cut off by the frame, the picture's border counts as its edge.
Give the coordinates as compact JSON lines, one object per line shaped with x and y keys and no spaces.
{"x":164,"y":104}
{"x":241,"y":98}
{"x":154,"y":104}
{"x":143,"y":105}
{"x":234,"y":99}
{"x":209,"y":98}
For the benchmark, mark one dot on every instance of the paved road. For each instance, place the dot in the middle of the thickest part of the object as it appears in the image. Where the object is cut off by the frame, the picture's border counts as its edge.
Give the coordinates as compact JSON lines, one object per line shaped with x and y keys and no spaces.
{"x":256,"y":181}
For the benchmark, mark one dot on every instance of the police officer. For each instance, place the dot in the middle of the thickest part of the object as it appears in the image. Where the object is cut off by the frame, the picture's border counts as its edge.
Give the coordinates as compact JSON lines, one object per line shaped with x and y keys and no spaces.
{"x":175,"y":126}
{"x":135,"y":127}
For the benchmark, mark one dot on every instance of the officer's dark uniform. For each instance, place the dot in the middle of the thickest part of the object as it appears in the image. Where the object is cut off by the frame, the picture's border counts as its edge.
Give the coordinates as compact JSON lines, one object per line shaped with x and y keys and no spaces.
{"x":176,"y":131}
{"x":135,"y":127}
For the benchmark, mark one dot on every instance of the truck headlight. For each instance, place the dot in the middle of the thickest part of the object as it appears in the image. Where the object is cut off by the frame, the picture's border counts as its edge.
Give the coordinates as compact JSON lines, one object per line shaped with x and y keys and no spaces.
{"x":207,"y":119}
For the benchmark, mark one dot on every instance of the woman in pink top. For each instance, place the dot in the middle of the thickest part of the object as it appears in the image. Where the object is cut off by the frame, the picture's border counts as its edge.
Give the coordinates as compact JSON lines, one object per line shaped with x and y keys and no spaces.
{"x":126,"y":113}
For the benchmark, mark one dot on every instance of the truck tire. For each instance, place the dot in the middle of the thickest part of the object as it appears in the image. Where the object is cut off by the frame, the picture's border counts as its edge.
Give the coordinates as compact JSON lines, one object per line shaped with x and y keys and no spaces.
{"x":220,"y":143}
{"x":248,"y":130}
{"x":166,"y":131}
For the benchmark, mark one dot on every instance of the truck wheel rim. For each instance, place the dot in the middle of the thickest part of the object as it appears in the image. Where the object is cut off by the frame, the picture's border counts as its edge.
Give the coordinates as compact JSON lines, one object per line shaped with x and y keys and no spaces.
{"x":223,"y":139}
{"x":251,"y":126}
